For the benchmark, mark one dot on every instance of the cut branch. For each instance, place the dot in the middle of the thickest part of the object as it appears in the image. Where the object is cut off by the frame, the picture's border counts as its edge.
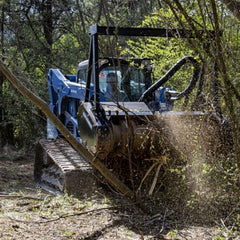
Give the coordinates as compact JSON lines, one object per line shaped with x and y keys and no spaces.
{"x":42,"y":105}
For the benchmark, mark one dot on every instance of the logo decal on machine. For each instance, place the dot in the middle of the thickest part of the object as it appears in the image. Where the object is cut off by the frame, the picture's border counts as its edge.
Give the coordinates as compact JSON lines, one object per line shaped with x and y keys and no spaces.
{"x":73,"y":91}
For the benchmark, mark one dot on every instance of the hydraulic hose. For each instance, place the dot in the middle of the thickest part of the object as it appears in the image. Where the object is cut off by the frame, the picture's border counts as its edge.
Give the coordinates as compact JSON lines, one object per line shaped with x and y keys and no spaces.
{"x":170,"y":73}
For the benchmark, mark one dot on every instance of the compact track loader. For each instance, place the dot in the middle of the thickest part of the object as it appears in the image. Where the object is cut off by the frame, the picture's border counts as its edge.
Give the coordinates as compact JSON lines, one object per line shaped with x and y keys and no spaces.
{"x":114,"y":108}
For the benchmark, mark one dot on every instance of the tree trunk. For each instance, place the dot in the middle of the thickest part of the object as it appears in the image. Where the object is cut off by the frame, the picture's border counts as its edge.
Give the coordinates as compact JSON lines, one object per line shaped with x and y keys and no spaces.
{"x":111,"y":178}
{"x":227,"y":85}
{"x":6,"y":129}
{"x":2,"y":140}
{"x":1,"y":80}
{"x":48,"y":29}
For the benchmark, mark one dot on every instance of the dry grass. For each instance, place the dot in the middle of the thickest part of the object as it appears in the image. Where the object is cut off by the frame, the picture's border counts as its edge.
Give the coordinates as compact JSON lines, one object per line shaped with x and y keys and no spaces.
{"x":182,"y":208}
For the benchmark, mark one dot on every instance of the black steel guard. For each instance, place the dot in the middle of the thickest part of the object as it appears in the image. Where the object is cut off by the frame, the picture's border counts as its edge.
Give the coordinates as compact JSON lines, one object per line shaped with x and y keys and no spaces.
{"x":96,"y":30}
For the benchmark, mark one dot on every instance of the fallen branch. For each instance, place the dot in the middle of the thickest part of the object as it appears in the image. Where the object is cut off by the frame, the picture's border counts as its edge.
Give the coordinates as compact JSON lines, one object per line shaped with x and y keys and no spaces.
{"x":64,"y":215}
{"x":20,"y":197}
{"x":145,"y":176}
{"x":43,"y":106}
{"x":155,"y":179}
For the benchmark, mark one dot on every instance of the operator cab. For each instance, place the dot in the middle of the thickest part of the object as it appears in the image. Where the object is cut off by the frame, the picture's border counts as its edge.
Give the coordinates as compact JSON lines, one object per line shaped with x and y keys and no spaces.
{"x":128,"y":82}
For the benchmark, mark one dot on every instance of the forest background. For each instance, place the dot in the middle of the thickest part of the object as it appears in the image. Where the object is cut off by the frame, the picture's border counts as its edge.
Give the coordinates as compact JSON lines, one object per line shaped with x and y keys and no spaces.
{"x":38,"y":35}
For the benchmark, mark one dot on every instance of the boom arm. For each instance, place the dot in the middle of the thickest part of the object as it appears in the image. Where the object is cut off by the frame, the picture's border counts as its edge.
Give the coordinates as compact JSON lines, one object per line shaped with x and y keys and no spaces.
{"x":170,"y":73}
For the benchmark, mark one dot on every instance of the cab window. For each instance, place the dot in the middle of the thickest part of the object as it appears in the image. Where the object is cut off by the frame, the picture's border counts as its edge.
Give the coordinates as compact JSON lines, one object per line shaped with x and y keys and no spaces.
{"x":82,"y":76}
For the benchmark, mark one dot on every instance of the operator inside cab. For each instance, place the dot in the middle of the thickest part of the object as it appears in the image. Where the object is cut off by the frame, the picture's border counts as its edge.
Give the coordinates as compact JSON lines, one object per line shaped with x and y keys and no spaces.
{"x":112,"y":91}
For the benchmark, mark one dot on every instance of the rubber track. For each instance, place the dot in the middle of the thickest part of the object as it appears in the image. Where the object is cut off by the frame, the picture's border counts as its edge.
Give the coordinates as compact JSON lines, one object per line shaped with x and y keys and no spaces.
{"x":59,"y":167}
{"x":64,"y":155}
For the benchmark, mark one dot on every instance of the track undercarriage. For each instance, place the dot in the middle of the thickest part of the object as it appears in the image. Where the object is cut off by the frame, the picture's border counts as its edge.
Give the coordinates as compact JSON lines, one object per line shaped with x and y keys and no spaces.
{"x":59,"y":168}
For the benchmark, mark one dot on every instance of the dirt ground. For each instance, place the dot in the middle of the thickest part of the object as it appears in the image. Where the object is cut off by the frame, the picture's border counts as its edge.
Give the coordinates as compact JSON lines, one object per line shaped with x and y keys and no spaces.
{"x":27,"y":212}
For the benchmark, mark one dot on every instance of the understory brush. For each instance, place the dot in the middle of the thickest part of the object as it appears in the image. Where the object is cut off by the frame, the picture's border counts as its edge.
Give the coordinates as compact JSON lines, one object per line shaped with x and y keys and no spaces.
{"x":204,"y":192}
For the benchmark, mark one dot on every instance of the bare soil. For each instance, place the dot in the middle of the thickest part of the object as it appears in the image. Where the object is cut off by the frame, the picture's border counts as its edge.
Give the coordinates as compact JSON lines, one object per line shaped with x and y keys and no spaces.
{"x":27,"y":212}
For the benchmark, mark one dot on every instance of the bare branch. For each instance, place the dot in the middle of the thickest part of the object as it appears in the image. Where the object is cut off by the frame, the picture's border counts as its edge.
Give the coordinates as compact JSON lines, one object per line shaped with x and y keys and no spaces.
{"x":233,"y":6}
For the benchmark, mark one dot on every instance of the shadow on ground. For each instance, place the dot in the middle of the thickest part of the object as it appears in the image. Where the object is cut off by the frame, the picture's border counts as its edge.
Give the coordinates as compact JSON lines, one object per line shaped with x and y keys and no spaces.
{"x":105,"y":214}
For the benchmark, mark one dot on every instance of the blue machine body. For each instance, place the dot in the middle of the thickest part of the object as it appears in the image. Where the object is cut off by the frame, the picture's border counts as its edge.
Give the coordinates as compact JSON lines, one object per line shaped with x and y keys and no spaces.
{"x":106,"y":95}
{"x":67,"y":94}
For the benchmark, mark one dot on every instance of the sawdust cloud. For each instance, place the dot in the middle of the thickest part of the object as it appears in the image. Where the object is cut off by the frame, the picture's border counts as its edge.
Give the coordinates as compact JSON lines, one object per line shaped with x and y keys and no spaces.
{"x":195,"y":139}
